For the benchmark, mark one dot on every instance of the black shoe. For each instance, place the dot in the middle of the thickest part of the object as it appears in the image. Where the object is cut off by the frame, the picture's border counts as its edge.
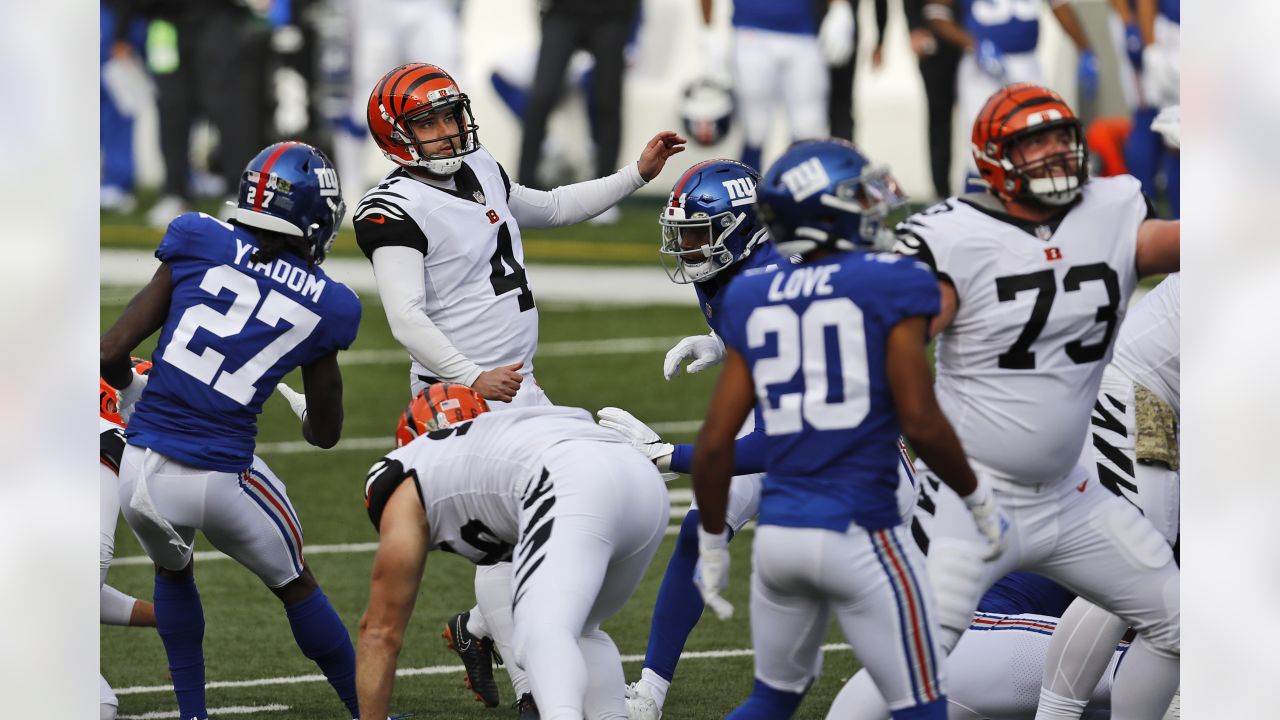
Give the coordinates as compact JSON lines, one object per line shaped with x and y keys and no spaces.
{"x":477,"y":657}
{"x":527,"y":708}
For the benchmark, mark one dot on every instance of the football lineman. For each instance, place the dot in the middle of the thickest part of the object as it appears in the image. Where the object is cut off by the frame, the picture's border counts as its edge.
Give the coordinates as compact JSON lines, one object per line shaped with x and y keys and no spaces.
{"x":833,"y":350}
{"x":1035,"y":277}
{"x":443,"y":233}
{"x":571,"y":505}
{"x":238,"y":305}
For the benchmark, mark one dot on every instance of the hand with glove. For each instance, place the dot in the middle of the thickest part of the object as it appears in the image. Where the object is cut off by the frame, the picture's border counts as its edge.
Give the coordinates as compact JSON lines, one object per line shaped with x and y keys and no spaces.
{"x":641,"y":436}
{"x":835,"y":36}
{"x":297,"y":401}
{"x":712,"y":575}
{"x":129,"y":395}
{"x":1160,"y":77}
{"x":1087,"y":74}
{"x":990,"y":60}
{"x":990,"y":519}
{"x":706,"y":350}
{"x":1169,"y":125}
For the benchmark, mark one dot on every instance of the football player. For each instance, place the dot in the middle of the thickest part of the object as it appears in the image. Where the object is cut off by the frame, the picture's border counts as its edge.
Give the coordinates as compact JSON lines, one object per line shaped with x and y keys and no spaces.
{"x":833,"y":350}
{"x":1035,"y":277}
{"x":571,"y":505}
{"x":999,"y":40}
{"x":238,"y":305}
{"x":443,"y":233}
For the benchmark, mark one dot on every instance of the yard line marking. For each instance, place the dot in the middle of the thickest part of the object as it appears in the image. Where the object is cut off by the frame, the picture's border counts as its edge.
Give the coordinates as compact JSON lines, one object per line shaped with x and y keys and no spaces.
{"x":386,"y":444}
{"x":233,"y":710}
{"x":563,"y":348}
{"x":431,"y":670}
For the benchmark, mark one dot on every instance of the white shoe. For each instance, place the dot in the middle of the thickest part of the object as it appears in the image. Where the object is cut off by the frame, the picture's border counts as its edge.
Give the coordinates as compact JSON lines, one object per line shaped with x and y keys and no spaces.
{"x":165,"y":210}
{"x":639,"y":705}
{"x":116,"y":199}
{"x":612,"y":216}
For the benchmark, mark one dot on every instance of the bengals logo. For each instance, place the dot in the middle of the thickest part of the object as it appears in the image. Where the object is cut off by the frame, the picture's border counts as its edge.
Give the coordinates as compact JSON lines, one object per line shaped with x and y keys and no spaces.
{"x":493,"y":217}
{"x":1052,"y":253}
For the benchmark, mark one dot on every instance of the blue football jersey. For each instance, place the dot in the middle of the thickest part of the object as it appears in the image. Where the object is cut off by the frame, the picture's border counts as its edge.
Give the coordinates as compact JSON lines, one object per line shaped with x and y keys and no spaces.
{"x":815,"y":338}
{"x":235,"y":329}
{"x":1171,"y":9}
{"x":787,"y":16}
{"x":1012,"y":25}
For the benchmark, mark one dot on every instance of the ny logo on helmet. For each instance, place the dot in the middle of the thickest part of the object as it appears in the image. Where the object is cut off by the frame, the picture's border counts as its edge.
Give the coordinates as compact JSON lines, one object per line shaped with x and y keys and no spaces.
{"x":806,"y":179}
{"x":328,"y":178}
{"x":742,"y":191}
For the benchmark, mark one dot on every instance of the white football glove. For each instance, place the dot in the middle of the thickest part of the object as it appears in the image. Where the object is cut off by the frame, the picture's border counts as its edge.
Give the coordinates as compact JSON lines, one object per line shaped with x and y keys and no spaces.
{"x":1169,"y":124}
{"x":712,"y":574}
{"x":297,"y":401}
{"x":641,"y":436}
{"x":990,"y":519}
{"x":1160,"y":76}
{"x":706,"y":350}
{"x":129,"y":395}
{"x":835,"y":37}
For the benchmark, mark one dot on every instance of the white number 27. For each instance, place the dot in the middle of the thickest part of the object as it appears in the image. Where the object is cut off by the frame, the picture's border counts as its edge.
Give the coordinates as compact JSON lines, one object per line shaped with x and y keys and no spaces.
{"x":801,"y":343}
{"x":238,"y":385}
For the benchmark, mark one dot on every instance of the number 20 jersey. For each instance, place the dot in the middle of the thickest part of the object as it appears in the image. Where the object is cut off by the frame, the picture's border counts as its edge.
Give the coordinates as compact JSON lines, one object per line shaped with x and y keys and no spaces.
{"x":476,"y":289}
{"x":235,"y":328}
{"x":1039,"y":309}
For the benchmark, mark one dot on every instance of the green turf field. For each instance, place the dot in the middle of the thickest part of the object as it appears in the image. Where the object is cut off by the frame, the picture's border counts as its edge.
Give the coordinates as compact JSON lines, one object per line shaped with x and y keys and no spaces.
{"x":247,"y":639}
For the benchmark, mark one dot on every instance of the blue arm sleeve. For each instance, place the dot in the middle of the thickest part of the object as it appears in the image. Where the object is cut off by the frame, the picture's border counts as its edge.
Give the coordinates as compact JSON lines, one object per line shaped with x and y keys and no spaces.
{"x":748,"y":455}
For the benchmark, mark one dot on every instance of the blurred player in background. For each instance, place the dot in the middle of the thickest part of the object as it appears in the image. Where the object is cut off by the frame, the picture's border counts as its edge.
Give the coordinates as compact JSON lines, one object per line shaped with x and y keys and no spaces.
{"x":238,"y":306}
{"x":842,"y":57}
{"x":115,"y":607}
{"x":443,"y":233}
{"x":999,"y":39}
{"x":574,"y":508}
{"x":1035,"y":277}
{"x":829,"y":495}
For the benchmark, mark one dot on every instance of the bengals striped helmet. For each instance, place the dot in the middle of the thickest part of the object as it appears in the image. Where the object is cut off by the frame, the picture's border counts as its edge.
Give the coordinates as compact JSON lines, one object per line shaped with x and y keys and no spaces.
{"x":440,"y":406}
{"x":426,"y":97}
{"x":1011,"y":116}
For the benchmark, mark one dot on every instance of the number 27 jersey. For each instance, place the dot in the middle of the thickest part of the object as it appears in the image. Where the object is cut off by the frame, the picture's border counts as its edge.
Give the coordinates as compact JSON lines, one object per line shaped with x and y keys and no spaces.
{"x":1039,"y":307}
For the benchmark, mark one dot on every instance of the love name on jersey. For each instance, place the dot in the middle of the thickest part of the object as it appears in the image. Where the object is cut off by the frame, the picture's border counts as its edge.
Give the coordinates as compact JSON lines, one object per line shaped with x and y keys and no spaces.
{"x":802,"y":282}
{"x":291,"y":276}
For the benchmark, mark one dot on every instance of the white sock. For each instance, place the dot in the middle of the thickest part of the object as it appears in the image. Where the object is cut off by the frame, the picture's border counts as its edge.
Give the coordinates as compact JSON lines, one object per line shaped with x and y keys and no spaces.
{"x":1058,"y":707}
{"x":476,"y":624}
{"x":655,"y":686}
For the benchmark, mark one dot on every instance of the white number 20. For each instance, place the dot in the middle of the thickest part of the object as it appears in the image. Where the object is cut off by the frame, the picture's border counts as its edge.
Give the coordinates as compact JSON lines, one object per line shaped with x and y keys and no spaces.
{"x":801,"y":343}
{"x":238,"y":385}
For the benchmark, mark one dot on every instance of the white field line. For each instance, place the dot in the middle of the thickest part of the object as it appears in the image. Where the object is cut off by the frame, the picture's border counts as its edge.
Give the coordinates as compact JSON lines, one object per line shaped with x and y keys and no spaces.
{"x":680,"y":499}
{"x":432,"y":670}
{"x":218,"y":712}
{"x":385,"y":444}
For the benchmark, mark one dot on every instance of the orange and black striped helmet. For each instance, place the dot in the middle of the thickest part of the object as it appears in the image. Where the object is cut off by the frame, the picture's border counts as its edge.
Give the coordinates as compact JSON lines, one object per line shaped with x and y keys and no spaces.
{"x":1015,"y":112}
{"x":409,"y":94}
{"x":440,"y":406}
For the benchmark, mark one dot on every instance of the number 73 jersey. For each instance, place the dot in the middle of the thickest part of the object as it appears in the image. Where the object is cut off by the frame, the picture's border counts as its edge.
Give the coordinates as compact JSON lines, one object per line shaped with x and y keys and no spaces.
{"x":1039,"y":307}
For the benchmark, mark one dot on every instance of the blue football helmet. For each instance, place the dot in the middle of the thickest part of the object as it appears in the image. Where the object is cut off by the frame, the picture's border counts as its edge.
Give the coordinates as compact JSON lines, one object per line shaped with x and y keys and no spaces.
{"x":826,"y":194}
{"x":292,"y":188}
{"x":709,"y":221}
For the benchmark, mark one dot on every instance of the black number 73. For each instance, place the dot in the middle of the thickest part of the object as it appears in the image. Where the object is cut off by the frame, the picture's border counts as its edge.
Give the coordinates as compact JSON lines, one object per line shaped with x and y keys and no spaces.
{"x":1019,"y":355}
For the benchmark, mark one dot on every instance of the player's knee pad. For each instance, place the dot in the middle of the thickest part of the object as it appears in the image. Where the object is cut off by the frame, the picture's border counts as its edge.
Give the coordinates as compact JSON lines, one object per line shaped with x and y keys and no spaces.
{"x":955,"y":570}
{"x":1134,"y":536}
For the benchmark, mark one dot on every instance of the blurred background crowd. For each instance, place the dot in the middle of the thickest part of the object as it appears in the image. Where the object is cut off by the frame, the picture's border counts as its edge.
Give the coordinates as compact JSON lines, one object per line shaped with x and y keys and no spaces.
{"x":564,"y":89}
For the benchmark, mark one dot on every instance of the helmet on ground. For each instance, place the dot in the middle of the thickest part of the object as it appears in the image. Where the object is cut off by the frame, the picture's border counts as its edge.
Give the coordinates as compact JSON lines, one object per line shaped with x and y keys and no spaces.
{"x":706,"y":110}
{"x":825,"y":194}
{"x":292,"y":188}
{"x":709,"y":222}
{"x":439,"y":406}
{"x":423,"y":96}
{"x":1025,"y":112}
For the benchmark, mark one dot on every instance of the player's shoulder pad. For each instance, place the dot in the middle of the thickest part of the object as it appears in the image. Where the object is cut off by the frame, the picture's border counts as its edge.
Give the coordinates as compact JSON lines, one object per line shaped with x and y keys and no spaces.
{"x":384,"y":477}
{"x":193,"y":234}
{"x":111,"y":447}
{"x":382,"y":217}
{"x":1122,"y":191}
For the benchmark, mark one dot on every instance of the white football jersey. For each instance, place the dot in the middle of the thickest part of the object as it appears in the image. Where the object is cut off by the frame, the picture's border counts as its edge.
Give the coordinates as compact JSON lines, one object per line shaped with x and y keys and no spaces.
{"x":473,"y":474}
{"x":1039,"y":309}
{"x":1148,"y":349}
{"x":477,"y":293}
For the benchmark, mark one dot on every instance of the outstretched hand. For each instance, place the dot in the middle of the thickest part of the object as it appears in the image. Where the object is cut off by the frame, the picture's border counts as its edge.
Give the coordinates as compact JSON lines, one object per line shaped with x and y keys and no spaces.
{"x":662,"y":146}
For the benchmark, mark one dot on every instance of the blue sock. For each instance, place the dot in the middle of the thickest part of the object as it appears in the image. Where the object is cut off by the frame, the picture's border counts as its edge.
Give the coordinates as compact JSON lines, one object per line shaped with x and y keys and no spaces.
{"x":936,"y":710}
{"x":679,"y":604}
{"x":752,"y":157}
{"x":1173,"y":182}
{"x":323,"y":638}
{"x":766,"y":703}
{"x":180,"y":622}
{"x":1142,"y":150}
{"x":514,"y":97}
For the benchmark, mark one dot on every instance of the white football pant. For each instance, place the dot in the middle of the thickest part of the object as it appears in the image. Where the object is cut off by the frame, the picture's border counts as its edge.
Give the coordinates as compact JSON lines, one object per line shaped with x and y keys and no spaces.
{"x":589,"y":529}
{"x":772,"y":69}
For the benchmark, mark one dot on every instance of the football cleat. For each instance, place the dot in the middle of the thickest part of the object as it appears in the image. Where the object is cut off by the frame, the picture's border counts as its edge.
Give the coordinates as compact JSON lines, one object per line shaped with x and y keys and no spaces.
{"x":639,"y":705}
{"x":526,"y":708}
{"x":477,"y":658}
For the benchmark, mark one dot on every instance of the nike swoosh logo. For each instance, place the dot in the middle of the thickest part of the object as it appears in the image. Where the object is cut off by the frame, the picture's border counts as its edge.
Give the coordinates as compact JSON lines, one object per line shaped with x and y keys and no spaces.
{"x":1080,"y":487}
{"x":378,"y":219}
